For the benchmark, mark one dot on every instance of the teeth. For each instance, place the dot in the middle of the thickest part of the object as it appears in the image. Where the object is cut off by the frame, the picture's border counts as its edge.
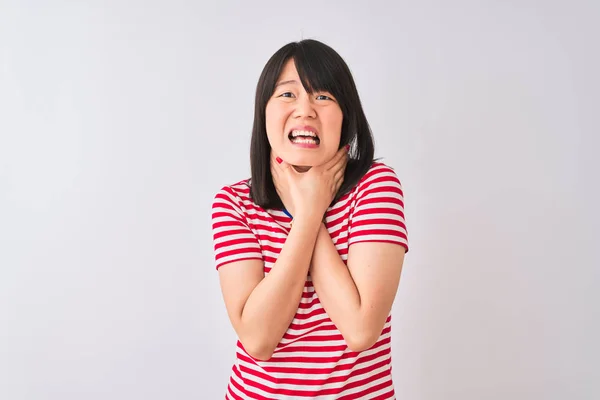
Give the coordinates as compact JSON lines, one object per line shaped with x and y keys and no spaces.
{"x":303,"y":133}
{"x":304,"y":140}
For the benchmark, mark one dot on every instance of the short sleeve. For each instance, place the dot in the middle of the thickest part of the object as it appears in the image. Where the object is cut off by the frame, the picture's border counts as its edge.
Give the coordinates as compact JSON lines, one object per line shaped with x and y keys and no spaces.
{"x":233,"y":239}
{"x":378,"y":214}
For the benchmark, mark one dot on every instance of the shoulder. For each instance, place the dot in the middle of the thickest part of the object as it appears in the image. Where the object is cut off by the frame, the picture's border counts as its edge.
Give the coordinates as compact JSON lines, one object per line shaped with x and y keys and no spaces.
{"x":380,"y":175}
{"x":235,"y":194}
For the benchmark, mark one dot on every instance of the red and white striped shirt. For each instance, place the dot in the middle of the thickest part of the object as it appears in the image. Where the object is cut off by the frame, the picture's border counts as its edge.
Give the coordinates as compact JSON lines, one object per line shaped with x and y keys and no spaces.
{"x":312,"y":360}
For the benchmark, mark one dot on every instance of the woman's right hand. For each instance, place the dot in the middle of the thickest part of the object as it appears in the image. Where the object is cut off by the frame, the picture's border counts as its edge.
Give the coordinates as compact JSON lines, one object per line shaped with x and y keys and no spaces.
{"x":309,"y":194}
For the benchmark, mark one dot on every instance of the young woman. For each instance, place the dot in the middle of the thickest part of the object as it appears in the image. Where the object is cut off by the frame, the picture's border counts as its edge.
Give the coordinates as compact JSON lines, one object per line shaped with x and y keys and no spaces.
{"x":310,"y":249}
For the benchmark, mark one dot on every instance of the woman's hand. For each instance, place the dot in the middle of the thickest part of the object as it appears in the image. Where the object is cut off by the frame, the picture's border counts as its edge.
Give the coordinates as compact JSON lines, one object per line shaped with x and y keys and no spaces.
{"x":309,"y":194}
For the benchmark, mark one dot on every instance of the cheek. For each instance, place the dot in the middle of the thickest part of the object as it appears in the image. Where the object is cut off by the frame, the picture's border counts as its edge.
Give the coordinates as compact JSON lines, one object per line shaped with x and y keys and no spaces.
{"x":274,"y":124}
{"x":334,"y":124}
{"x":274,"y":120}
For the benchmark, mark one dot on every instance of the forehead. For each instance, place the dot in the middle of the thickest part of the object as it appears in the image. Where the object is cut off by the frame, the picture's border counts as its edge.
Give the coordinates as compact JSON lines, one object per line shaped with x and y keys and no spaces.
{"x":289,"y":72}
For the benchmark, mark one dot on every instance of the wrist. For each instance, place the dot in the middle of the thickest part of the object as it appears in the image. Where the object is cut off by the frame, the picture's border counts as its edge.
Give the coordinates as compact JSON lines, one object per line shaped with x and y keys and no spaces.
{"x":322,"y":225}
{"x":308,"y":217}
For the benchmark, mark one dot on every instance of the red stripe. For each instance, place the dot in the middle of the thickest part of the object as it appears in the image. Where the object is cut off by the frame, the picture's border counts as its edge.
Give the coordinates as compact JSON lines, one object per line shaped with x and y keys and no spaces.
{"x":263,"y":238}
{"x":236,"y":229}
{"x":233,"y":252}
{"x":377,"y":221}
{"x":308,"y":325}
{"x":378,"y":210}
{"x":382,"y":200}
{"x":237,"y":242}
{"x":308,"y":349}
{"x":335,"y":337}
{"x":309,"y":314}
{"x":383,"y":232}
{"x":222,"y":263}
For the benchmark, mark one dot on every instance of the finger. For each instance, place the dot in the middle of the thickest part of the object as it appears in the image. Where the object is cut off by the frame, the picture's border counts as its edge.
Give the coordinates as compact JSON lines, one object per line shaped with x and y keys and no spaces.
{"x":339,"y":175}
{"x":340,"y":166}
{"x":274,"y":162}
{"x":277,"y":161}
{"x":284,"y":168}
{"x":338,"y":186}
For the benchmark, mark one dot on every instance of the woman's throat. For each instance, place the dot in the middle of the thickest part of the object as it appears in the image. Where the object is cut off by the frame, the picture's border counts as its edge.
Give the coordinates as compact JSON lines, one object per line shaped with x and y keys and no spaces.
{"x":301,"y":168}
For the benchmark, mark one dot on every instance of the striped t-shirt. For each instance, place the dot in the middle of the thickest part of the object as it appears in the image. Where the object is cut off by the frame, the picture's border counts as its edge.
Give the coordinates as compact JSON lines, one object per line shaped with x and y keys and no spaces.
{"x":312,"y":360}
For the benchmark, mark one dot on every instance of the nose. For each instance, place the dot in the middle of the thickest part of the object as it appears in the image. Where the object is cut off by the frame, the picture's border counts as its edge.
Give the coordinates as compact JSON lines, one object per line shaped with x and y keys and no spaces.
{"x":305,"y":107}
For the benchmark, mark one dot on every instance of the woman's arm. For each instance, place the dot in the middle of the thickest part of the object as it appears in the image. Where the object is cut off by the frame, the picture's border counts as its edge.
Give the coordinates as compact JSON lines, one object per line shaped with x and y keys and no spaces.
{"x":261,"y":308}
{"x":357,"y":297}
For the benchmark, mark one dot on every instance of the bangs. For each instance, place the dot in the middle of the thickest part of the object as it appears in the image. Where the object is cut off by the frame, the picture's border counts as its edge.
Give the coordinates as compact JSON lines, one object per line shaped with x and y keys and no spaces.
{"x":319,"y":67}
{"x":317,"y":72}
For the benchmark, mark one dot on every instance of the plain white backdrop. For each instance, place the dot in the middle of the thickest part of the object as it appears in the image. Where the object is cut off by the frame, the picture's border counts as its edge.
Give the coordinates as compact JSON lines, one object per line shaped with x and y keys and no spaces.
{"x":119,"y":120}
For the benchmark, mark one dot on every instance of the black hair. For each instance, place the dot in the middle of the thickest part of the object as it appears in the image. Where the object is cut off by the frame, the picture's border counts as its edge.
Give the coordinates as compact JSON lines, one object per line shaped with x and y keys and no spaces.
{"x":320,"y":69}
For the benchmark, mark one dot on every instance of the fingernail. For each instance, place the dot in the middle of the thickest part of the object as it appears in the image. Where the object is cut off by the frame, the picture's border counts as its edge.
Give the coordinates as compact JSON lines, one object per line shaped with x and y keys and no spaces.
{"x":347,"y":147}
{"x":279,"y":160}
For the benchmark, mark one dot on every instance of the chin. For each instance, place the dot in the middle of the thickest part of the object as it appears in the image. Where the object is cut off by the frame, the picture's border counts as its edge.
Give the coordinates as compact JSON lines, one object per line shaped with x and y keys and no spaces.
{"x":301,"y":162}
{"x":306,"y":162}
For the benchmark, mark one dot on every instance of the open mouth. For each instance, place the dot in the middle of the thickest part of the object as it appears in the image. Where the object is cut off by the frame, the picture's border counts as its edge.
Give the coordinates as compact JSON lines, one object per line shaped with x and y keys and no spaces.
{"x":304,"y":137}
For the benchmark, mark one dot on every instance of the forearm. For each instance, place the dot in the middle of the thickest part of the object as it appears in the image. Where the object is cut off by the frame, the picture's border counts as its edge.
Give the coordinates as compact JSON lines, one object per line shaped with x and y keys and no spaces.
{"x":271,"y":306}
{"x":338,"y":292}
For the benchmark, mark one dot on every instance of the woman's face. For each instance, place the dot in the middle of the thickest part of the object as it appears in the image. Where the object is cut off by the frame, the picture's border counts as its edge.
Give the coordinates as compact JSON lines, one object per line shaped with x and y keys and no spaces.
{"x":303,"y":129}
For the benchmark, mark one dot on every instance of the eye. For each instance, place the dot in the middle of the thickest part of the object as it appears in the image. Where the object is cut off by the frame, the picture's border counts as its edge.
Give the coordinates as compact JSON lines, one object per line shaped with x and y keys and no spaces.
{"x":286,"y":94}
{"x":324,"y":97}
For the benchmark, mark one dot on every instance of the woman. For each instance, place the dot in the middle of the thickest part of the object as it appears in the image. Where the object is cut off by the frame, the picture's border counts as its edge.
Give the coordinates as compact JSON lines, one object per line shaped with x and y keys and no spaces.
{"x":310,"y":249}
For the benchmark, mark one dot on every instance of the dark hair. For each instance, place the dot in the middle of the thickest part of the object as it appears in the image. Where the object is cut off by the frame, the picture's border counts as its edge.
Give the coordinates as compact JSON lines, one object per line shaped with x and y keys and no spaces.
{"x":320,"y":69}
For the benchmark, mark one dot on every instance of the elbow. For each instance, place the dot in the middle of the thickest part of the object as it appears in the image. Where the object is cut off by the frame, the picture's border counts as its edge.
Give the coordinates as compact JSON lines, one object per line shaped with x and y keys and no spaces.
{"x":258,"y":350}
{"x":360,"y":344}
{"x":260,"y":355}
{"x":361,"y":340}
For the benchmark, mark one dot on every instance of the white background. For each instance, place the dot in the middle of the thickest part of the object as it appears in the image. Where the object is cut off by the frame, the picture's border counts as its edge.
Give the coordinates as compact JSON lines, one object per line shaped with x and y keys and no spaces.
{"x":119,"y":121}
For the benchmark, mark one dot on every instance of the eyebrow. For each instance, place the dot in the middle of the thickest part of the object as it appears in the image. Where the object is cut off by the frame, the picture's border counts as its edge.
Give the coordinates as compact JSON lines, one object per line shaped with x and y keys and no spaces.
{"x":286,"y":82}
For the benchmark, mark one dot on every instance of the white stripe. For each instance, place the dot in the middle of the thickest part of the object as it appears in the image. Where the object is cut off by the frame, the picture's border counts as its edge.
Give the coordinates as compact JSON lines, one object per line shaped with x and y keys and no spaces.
{"x":238,"y":236}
